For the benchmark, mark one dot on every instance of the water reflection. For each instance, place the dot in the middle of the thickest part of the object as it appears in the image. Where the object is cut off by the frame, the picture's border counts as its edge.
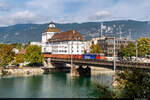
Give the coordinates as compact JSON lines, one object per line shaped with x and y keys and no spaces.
{"x":58,"y":85}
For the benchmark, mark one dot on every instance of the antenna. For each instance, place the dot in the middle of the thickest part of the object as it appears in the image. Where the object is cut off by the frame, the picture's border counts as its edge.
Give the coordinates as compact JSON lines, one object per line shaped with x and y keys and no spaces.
{"x":73,"y":32}
{"x":101,"y":28}
{"x":130,"y":34}
{"x":120,"y":31}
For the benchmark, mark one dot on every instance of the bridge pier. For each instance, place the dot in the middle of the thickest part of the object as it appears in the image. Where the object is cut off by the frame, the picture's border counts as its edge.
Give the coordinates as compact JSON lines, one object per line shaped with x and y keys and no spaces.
{"x":51,"y":67}
{"x":81,"y":71}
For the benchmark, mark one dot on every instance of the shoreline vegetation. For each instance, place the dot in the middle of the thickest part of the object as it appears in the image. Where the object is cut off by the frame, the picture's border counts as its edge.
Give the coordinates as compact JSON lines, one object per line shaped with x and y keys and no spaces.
{"x":131,"y":83}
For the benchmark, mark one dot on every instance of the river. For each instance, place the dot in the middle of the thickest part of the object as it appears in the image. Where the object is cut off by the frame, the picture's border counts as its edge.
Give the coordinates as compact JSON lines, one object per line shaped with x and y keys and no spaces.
{"x":58,"y":85}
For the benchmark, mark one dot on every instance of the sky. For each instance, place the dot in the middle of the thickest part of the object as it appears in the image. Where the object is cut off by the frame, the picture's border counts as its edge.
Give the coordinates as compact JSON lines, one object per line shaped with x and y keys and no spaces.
{"x":70,"y":11}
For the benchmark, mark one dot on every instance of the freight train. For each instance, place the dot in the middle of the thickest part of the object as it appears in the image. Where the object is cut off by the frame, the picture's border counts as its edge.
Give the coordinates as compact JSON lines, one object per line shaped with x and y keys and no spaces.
{"x":76,"y":56}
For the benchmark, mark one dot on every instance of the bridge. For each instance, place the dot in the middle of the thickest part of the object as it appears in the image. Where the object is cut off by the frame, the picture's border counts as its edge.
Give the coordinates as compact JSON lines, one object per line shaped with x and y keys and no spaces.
{"x":104,"y":63}
{"x":120,"y":65}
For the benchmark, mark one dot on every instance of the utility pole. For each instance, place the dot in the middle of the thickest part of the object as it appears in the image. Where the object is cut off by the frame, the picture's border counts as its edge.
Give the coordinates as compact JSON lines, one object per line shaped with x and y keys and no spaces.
{"x":71,"y":51}
{"x":114,"y":55}
{"x":130,"y":34}
{"x":136,"y":50}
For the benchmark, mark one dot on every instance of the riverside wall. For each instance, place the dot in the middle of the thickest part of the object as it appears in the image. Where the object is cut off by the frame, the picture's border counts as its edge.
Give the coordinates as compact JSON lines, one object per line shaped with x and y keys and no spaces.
{"x":24,"y":70}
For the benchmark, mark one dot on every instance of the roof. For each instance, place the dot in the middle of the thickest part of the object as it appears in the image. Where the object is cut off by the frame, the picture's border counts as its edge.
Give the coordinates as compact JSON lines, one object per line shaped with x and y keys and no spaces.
{"x":66,"y":36}
{"x":53,"y":29}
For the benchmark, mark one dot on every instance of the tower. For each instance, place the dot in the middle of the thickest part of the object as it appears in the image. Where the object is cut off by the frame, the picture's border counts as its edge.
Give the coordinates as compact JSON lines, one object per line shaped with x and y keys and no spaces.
{"x":51,"y":30}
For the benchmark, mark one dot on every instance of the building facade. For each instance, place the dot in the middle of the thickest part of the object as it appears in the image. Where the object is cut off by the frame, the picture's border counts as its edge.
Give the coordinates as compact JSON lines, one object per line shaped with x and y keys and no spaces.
{"x":56,"y":42}
{"x":107,"y":44}
{"x":36,"y":43}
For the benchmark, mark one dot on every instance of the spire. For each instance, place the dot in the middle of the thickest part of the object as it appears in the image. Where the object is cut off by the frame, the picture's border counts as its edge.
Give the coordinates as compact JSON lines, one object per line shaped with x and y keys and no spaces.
{"x":51,"y":25}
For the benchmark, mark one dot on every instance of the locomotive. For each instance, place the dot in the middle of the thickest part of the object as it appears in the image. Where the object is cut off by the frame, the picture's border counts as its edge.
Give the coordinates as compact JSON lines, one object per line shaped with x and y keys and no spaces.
{"x":76,"y":56}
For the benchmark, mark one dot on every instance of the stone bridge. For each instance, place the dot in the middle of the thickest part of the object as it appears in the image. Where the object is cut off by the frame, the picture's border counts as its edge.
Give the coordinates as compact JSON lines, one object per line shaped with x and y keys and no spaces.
{"x":78,"y":64}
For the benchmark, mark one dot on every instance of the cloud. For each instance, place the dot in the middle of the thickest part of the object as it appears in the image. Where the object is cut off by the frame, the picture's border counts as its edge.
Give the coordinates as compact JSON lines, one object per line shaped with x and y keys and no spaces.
{"x":18,"y":17}
{"x":4,"y":7}
{"x":43,"y":11}
{"x":23,"y":15}
{"x":101,"y":15}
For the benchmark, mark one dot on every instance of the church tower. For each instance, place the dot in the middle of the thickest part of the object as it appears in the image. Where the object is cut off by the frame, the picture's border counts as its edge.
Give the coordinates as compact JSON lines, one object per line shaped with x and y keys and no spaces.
{"x":48,"y":34}
{"x":51,"y":30}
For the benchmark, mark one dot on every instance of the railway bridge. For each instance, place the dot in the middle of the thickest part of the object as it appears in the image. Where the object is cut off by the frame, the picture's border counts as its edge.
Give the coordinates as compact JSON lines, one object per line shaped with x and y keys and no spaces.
{"x":77,"y":68}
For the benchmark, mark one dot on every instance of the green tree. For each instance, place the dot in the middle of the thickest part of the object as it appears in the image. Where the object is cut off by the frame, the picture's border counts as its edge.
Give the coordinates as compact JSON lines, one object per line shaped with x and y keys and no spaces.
{"x":101,"y":90}
{"x":130,"y":50}
{"x":121,"y":51}
{"x":19,"y":58}
{"x":17,"y":46}
{"x":131,"y":83}
{"x":33,"y":54}
{"x":134,"y":83}
{"x":143,"y":46}
{"x":95,"y":48}
{"x":1,"y":45}
{"x":6,"y":55}
{"x":127,"y":51}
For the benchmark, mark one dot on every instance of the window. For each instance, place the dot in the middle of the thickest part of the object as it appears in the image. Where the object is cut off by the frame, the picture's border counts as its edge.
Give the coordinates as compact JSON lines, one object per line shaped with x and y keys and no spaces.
{"x":44,"y":49}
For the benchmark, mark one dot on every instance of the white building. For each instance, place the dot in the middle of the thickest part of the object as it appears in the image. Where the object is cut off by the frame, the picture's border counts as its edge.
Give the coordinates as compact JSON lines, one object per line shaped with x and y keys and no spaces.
{"x":56,"y":42}
{"x":36,"y":43}
{"x":15,"y":50}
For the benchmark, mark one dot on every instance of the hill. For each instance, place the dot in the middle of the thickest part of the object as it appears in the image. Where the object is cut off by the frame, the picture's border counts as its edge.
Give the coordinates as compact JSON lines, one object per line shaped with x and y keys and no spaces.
{"x":23,"y":33}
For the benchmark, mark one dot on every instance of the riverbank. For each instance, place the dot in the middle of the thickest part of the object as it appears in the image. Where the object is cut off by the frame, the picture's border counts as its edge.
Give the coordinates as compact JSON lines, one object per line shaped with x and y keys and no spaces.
{"x":22,"y":71}
{"x":100,"y":70}
{"x":38,"y":70}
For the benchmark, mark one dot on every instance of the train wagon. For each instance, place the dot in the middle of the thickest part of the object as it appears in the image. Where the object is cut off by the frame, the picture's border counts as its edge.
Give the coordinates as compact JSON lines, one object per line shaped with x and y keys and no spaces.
{"x":89,"y":56}
{"x":76,"y":56}
{"x":93,"y":56}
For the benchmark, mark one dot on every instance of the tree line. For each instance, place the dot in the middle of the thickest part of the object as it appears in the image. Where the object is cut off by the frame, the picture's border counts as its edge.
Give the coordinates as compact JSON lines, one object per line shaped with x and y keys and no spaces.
{"x":31,"y":54}
{"x":143,"y":48}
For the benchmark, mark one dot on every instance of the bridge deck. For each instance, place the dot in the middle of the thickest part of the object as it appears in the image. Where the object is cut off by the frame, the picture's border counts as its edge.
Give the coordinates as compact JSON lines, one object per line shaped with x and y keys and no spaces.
{"x":104,"y":63}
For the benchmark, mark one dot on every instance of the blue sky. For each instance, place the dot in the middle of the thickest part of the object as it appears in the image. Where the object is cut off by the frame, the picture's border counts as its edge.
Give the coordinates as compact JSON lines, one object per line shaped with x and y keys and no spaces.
{"x":69,"y":11}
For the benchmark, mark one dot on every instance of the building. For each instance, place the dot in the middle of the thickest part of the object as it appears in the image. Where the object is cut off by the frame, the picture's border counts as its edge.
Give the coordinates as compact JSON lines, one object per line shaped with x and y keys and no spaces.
{"x":56,"y":42}
{"x":107,"y":44}
{"x":36,"y":43}
{"x":92,"y":41}
{"x":15,"y":50}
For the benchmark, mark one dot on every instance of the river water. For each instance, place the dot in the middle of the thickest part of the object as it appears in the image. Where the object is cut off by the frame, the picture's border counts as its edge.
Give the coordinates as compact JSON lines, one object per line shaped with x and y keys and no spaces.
{"x":58,"y":85}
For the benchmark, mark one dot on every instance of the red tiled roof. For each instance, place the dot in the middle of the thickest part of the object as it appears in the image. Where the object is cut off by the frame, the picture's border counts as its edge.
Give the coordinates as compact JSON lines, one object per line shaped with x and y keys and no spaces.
{"x":66,"y":36}
{"x":52,"y":30}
